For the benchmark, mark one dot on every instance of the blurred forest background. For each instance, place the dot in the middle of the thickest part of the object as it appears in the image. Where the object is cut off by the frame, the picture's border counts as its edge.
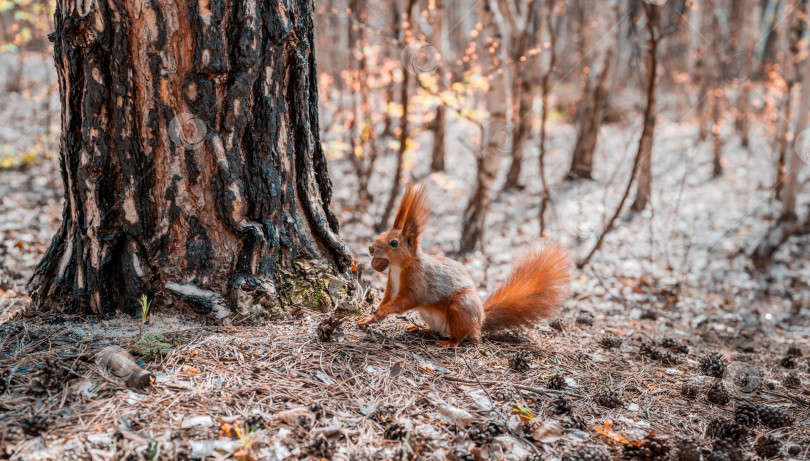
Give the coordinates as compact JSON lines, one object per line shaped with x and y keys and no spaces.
{"x":681,"y":122}
{"x":654,"y":136}
{"x":665,"y":143}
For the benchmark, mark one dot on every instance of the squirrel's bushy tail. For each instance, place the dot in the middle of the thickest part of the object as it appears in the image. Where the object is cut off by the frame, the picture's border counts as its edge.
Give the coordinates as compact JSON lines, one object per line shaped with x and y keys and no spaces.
{"x":538,"y":284}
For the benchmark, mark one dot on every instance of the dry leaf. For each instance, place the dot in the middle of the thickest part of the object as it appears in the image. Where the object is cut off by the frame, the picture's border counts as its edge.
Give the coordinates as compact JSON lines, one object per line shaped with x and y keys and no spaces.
{"x":396,"y":369}
{"x":197,"y":421}
{"x":546,"y":431}
{"x":227,"y":428}
{"x":189,"y":370}
{"x":292,"y":415}
{"x":355,"y":266}
{"x":607,"y":431}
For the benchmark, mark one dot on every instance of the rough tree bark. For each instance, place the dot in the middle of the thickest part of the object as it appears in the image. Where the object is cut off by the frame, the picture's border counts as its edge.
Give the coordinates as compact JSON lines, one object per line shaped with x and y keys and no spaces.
{"x":190,"y":156}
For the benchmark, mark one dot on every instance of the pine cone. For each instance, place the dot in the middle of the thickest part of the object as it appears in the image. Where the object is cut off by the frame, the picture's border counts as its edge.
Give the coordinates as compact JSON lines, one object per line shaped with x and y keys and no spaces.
{"x":584,"y":318}
{"x":690,"y":389}
{"x":395,"y":431}
{"x":675,"y":345}
{"x":34,"y":425}
{"x":792,"y":381}
{"x":713,"y":365}
{"x":461,"y":455}
{"x":330,"y":329}
{"x":556,"y":383}
{"x":557,"y":324}
{"x":502,"y":393}
{"x":649,"y":314}
{"x":668,"y":358}
{"x":587,"y":454}
{"x":561,"y":405}
{"x":789,"y":362}
{"x":718,"y":394}
{"x":726,"y":430}
{"x":665,"y":357}
{"x":651,"y":448}
{"x":320,"y":447}
{"x":384,"y":414}
{"x":521,"y":361}
{"x":747,"y":415}
{"x":484,"y":433}
{"x":768,"y":446}
{"x":317,"y":409}
{"x":5,"y":380}
{"x":574,"y":421}
{"x":611,"y":341}
{"x":254,"y":422}
{"x":794,"y":352}
{"x":774,"y":417}
{"x":50,"y":380}
{"x":608,"y":398}
{"x":687,"y":450}
{"x":649,"y":351}
{"x":725,"y":450}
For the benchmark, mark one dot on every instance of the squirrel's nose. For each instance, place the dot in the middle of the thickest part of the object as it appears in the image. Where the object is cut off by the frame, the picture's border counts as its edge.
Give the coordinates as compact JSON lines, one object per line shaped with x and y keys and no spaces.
{"x":371,"y":250}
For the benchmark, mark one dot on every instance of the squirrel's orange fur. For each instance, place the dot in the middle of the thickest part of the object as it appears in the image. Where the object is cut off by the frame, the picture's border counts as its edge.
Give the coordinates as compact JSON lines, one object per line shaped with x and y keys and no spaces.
{"x":443,"y":292}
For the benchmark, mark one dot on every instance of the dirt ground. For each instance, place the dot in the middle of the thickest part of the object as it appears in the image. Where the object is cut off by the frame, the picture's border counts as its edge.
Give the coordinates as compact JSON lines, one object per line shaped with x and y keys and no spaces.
{"x":676,"y":275}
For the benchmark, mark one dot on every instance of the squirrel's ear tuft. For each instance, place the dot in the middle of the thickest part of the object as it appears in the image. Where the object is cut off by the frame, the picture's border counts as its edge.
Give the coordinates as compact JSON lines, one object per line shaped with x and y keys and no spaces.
{"x":411,"y":232}
{"x":413,"y":213}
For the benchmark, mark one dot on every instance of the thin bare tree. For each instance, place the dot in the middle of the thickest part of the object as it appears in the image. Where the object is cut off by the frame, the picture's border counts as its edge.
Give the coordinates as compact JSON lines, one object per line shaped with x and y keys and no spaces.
{"x":645,"y":144}
{"x":496,"y":131}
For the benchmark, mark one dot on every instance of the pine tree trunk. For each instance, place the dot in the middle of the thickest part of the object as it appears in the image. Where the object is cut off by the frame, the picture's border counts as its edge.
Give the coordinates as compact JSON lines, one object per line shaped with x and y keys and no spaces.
{"x":645,"y":144}
{"x":590,"y":120}
{"x":523,"y":37}
{"x":190,"y":156}
{"x":748,"y":37}
{"x":521,"y":134}
{"x":788,"y":223}
{"x":437,"y":40}
{"x":496,"y":133}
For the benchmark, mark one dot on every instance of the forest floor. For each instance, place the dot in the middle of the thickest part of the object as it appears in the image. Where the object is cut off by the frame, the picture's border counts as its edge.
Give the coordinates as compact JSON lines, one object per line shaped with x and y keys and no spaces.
{"x":677,"y":275}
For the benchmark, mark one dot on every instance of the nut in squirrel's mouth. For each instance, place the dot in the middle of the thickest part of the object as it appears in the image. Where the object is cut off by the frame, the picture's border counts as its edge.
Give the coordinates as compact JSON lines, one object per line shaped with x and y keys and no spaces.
{"x":379,"y":264}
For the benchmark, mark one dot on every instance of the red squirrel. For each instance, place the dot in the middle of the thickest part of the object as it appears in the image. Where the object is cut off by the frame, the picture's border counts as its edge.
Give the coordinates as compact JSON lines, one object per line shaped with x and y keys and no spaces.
{"x":443,"y":292}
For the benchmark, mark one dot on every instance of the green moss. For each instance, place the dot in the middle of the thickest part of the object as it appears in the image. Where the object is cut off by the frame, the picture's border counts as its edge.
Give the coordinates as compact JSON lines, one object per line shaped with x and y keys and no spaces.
{"x":307,"y":284}
{"x":151,"y":346}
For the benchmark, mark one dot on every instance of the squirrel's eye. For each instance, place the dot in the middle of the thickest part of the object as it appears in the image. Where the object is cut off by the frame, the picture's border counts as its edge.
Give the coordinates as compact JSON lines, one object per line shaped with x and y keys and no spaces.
{"x":394,"y":243}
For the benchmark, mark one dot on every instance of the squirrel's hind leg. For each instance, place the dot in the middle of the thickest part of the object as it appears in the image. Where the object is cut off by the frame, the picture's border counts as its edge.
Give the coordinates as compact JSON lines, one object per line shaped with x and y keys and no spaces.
{"x":414,"y":329}
{"x":464,"y":321}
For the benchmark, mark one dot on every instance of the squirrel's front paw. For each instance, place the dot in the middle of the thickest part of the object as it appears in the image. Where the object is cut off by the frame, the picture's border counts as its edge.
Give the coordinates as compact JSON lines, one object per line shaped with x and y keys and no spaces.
{"x":366,"y":321}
